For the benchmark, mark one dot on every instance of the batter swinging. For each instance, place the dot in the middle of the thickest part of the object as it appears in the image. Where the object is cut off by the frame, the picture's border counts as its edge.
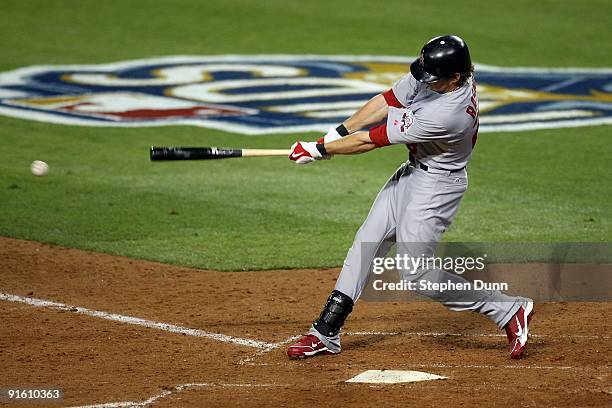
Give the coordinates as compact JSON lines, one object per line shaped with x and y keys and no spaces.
{"x":434,"y":111}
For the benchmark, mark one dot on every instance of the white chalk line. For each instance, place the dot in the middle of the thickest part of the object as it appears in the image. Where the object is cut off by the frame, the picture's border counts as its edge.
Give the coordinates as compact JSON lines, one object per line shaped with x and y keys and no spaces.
{"x":487,"y":366}
{"x":433,"y":366}
{"x":174,"y":390}
{"x":444,"y":334}
{"x":182,"y":387}
{"x":259,"y":353}
{"x":263,"y":347}
{"x":248,"y":360}
{"x":508,"y":366}
{"x":139,"y":322}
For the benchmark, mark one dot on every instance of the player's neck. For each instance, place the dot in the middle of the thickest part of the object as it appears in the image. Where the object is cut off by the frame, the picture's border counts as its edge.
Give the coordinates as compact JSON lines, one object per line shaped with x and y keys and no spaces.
{"x":446,"y":87}
{"x":453,"y":86}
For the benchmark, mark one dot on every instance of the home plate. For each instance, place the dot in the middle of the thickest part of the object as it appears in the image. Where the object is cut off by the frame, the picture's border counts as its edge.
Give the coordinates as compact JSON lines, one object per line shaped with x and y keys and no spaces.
{"x":393,"y":377}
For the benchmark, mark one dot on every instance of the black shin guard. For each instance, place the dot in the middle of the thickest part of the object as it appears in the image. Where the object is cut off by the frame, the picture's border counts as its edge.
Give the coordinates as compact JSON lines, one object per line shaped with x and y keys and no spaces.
{"x":334,"y":313}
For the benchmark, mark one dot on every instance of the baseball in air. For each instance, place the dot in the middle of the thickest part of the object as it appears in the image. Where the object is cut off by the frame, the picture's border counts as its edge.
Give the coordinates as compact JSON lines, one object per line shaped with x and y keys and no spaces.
{"x":39,"y":168}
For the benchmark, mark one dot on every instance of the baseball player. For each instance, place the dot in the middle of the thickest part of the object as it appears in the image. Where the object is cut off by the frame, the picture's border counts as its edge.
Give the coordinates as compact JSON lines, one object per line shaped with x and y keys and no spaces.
{"x":433,"y":110}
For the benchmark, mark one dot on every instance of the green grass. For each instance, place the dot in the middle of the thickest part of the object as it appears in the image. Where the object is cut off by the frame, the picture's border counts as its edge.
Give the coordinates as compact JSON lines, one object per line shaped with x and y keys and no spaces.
{"x":544,"y":186}
{"x":103,"y":193}
{"x":540,"y":33}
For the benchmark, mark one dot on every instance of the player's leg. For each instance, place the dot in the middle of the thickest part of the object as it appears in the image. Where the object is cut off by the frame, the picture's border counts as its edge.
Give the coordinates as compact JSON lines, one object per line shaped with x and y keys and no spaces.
{"x":374,"y":238}
{"x":425,"y":214}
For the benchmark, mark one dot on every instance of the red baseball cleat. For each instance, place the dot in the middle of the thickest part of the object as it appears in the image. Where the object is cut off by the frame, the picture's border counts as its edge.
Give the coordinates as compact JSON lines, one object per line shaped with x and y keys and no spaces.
{"x":517,"y":329}
{"x":308,"y":346}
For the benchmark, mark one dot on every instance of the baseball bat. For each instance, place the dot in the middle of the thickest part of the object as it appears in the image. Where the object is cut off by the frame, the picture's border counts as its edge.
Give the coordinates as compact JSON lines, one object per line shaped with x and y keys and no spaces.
{"x":210,"y":153}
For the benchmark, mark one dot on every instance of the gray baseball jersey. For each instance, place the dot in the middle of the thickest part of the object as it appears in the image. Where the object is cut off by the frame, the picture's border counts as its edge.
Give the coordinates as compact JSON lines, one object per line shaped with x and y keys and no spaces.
{"x":417,"y":206}
{"x":440,"y":129}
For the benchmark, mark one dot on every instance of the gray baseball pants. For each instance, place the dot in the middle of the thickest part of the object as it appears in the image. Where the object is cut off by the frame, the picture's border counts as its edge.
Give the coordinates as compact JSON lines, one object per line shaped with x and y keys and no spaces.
{"x":415,"y":206}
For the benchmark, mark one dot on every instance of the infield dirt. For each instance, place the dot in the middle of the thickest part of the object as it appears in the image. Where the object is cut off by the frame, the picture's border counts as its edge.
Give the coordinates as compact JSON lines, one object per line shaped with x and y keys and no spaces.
{"x":95,"y":361}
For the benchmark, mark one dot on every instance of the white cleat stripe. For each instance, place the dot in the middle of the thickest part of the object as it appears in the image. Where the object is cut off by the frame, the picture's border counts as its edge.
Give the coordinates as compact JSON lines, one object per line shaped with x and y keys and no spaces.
{"x":527,"y":310}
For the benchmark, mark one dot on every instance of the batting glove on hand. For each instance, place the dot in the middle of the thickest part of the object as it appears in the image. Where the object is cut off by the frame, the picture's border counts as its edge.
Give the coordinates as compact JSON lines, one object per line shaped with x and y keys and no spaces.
{"x":304,"y":152}
{"x":331,"y":135}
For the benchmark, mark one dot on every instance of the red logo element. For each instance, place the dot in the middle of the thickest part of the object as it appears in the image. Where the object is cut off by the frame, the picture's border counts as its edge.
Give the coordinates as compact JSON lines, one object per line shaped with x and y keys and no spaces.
{"x":153,"y":113}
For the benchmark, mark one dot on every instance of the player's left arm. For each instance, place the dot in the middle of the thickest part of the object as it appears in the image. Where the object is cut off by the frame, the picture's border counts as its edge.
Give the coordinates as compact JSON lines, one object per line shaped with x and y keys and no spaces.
{"x":402,"y":126}
{"x":358,"y":142}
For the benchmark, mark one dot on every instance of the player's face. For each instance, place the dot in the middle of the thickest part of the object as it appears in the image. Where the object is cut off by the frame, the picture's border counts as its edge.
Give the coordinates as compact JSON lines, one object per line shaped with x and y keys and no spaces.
{"x":445,"y":84}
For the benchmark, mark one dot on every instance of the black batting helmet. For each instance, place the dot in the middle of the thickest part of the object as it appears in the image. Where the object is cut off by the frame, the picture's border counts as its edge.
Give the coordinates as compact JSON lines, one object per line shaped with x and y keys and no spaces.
{"x":442,"y":57}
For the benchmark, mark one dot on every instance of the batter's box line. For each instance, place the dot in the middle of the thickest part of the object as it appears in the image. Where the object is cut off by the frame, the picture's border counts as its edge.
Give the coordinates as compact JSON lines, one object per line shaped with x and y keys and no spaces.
{"x":262,"y":346}
{"x":250,"y":359}
{"x":176,"y":389}
{"x":450,"y":334}
{"x":597,"y":369}
{"x":171,"y":328}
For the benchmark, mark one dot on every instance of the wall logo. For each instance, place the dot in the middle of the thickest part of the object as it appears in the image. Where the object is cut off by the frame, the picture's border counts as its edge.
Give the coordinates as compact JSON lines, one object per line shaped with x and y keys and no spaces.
{"x":279,"y":93}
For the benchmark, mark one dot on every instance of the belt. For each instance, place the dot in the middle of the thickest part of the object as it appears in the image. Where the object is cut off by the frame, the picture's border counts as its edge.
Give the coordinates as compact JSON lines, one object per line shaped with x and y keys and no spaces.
{"x":415,"y":163}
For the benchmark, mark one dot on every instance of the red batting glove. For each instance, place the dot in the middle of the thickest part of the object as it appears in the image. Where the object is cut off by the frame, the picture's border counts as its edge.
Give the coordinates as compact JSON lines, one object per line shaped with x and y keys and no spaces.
{"x":304,"y":152}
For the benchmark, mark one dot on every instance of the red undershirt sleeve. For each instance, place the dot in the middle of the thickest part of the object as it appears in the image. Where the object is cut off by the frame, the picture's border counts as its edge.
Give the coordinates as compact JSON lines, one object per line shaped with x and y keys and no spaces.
{"x":392,"y":99}
{"x":378,"y":136}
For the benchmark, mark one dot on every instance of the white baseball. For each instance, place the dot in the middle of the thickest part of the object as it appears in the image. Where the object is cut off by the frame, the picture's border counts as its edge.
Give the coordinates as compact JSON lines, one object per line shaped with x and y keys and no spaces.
{"x":39,"y":168}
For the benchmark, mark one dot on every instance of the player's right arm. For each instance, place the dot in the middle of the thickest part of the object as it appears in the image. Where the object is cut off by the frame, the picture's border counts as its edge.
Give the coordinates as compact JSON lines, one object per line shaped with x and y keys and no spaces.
{"x":376,"y":109}
{"x":402,"y":126}
{"x":372,"y":112}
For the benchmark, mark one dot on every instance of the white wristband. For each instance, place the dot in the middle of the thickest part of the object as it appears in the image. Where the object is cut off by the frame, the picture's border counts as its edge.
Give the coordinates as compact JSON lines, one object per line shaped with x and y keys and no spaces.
{"x":332,"y":135}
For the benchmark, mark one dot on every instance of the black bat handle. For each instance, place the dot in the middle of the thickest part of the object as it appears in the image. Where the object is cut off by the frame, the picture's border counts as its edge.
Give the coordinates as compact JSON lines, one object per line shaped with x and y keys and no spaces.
{"x":192,"y":153}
